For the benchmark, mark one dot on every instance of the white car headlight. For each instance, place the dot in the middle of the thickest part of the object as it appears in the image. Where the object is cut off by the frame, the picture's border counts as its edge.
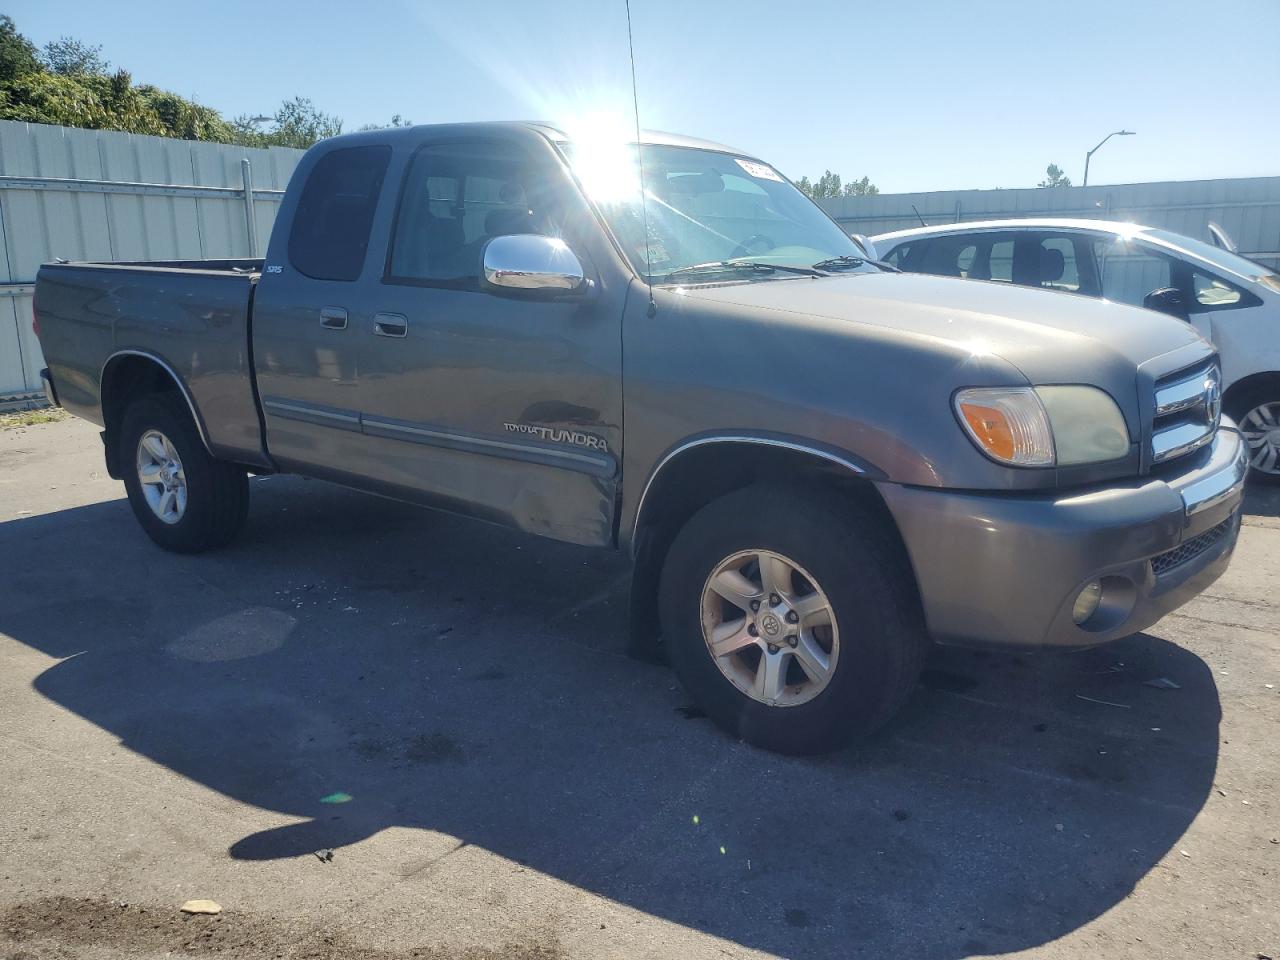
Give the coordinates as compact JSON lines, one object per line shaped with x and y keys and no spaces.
{"x":1043,"y":426}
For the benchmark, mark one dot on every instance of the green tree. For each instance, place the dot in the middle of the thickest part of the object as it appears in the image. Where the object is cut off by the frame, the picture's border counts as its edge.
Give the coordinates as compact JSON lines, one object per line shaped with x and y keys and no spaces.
{"x":829,"y":185}
{"x":94,"y":102}
{"x":396,"y":121}
{"x":66,"y":56}
{"x":1054,"y":177}
{"x":860,"y":188}
{"x":297,"y":124}
{"x":17,"y":53}
{"x":186,"y":120}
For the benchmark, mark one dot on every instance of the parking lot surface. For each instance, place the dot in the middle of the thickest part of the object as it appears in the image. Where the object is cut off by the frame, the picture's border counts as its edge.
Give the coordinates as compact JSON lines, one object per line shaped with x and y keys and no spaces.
{"x":448,"y":708}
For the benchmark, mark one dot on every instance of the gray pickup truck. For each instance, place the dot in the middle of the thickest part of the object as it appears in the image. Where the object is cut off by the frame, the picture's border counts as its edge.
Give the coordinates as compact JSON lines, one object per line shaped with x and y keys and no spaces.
{"x":817,"y":463}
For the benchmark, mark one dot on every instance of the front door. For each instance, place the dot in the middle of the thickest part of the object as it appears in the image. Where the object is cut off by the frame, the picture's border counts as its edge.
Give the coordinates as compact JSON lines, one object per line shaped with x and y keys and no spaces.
{"x":504,"y":407}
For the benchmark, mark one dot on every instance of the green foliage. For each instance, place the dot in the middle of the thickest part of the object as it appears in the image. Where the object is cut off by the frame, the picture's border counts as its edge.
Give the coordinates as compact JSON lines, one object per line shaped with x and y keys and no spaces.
{"x":396,"y":121}
{"x":829,"y":185}
{"x":82,"y":100}
{"x":72,"y":85}
{"x":1054,"y":177}
{"x":17,"y":53}
{"x":184,"y":119}
{"x":67,"y":56}
{"x":297,"y":124}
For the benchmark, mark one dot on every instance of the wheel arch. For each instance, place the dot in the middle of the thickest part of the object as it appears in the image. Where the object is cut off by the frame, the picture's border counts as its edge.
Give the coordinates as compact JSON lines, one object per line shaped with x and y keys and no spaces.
{"x":128,"y":375}
{"x":1245,"y":385}
{"x":702,"y":469}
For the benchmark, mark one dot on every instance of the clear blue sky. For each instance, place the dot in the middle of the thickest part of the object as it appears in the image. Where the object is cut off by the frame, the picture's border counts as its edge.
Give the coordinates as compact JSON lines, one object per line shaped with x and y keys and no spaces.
{"x":924,"y":95}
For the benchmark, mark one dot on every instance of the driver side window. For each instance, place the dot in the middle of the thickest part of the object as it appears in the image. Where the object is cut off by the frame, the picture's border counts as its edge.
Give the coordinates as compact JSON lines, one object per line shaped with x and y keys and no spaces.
{"x":457,"y":197}
{"x":1131,"y":270}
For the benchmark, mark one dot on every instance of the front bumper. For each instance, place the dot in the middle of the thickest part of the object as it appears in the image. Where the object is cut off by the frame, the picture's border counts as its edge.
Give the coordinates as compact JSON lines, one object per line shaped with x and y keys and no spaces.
{"x":1005,"y":570}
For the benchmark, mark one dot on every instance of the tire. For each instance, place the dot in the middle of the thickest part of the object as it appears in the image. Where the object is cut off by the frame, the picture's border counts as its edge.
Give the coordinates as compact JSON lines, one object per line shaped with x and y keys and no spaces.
{"x":1256,"y":409}
{"x":215,"y":494}
{"x":853,"y":562}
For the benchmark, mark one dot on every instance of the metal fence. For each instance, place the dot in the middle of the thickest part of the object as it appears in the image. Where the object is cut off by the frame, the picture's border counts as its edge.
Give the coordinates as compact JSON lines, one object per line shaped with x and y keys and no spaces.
{"x":102,"y":195}
{"x":1248,"y":208}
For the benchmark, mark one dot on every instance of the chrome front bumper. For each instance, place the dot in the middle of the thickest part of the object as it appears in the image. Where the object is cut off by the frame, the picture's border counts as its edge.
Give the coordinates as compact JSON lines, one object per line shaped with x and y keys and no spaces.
{"x":1005,"y":570}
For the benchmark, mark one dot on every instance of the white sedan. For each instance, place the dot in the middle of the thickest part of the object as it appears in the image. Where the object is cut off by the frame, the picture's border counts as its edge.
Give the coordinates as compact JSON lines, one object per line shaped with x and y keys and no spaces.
{"x":1233,"y":301}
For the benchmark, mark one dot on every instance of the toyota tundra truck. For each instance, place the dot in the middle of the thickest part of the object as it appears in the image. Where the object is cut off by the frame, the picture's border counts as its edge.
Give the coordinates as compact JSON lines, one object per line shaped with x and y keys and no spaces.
{"x":817,"y":464}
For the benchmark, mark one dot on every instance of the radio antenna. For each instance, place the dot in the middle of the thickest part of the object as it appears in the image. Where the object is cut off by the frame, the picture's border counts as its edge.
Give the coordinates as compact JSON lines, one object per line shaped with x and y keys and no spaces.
{"x":644,"y":207}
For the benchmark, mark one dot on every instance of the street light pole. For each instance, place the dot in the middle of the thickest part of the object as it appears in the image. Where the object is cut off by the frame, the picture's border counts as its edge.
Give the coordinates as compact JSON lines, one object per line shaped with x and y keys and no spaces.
{"x":1089,"y":156}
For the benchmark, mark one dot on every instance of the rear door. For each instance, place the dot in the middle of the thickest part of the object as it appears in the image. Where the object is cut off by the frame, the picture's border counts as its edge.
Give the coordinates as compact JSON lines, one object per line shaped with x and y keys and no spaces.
{"x":310,"y":310}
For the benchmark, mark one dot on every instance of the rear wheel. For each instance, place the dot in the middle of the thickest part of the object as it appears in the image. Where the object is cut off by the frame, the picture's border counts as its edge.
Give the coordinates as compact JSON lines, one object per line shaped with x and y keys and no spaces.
{"x":792,"y":621}
{"x":1257,"y":411}
{"x":186,"y":500}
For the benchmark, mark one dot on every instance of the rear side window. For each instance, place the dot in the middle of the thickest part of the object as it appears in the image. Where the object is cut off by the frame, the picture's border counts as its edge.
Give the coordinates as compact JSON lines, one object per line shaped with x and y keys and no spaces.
{"x":330,"y":234}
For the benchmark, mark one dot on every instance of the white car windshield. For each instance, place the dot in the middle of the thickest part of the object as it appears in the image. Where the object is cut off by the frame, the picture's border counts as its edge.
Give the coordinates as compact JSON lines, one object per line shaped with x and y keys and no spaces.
{"x":704,"y":208}
{"x":1225,"y":259}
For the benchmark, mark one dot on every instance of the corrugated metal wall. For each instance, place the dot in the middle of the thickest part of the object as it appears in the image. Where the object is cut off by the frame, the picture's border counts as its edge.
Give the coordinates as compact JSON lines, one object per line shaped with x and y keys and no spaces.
{"x":101,"y":195}
{"x":1248,"y":209}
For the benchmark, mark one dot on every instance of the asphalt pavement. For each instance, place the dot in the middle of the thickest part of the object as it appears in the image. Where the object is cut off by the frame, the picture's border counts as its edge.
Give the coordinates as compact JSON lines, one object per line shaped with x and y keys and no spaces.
{"x":372,"y":731}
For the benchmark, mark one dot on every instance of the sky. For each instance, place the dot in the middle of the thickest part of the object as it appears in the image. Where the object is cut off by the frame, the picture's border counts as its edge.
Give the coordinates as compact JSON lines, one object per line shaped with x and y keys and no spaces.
{"x":925,"y":95}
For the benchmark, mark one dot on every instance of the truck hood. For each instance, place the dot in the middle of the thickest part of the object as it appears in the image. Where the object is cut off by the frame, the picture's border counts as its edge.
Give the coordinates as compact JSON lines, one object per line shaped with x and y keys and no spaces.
{"x":1050,"y":336}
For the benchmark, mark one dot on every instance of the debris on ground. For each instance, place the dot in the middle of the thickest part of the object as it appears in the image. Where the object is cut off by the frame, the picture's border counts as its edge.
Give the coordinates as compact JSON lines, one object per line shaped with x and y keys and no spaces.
{"x":325,"y":855}
{"x":1105,"y":703}
{"x":201,"y":906}
{"x":1162,"y":683}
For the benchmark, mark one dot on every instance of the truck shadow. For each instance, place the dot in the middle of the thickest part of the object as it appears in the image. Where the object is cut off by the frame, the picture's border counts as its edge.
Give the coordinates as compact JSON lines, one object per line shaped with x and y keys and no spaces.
{"x":363,"y":665}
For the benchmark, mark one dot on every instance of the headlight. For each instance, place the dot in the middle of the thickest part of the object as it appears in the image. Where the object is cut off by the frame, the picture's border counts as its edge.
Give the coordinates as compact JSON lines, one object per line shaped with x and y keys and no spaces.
{"x":1043,"y":426}
{"x":1088,"y":427}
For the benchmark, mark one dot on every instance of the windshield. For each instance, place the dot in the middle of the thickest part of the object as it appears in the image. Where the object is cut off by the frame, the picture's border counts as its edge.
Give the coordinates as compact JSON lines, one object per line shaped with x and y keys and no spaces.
{"x":1219,"y":257}
{"x":703,"y":207}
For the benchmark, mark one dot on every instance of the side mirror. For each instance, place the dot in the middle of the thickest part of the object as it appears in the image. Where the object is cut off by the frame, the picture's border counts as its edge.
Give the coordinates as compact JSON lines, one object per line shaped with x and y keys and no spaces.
{"x":865,"y":243}
{"x":527,"y":263}
{"x":1167,"y":300}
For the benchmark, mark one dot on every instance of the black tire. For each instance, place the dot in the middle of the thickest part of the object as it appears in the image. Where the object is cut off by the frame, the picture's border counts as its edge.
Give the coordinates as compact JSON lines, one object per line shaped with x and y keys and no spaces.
{"x":217,"y":491}
{"x":862,"y":568}
{"x":1238,"y":407}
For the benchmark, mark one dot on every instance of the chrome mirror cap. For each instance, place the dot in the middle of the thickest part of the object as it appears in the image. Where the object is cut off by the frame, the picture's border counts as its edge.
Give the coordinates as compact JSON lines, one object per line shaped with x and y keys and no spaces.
{"x":530,"y":262}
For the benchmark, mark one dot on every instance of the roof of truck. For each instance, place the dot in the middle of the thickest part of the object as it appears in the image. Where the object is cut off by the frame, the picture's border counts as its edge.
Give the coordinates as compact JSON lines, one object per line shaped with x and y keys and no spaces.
{"x":553,"y":132}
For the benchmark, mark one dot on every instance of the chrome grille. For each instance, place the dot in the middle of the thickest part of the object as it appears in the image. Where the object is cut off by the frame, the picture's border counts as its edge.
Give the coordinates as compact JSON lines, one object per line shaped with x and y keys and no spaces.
{"x":1190,"y":549}
{"x":1188,"y":406}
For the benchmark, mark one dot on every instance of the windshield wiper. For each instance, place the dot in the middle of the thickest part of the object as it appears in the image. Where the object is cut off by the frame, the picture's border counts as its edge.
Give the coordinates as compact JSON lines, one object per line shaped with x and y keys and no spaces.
{"x":732,"y":266}
{"x":838,"y":263}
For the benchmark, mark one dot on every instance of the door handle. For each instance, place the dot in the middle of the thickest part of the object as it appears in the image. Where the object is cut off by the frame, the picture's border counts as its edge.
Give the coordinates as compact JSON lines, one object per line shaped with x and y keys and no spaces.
{"x":333,"y":318}
{"x":390,"y":324}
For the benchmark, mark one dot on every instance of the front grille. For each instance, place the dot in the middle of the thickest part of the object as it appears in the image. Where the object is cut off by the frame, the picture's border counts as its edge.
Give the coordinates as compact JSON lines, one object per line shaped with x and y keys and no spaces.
{"x":1189,"y":550}
{"x":1188,"y":405}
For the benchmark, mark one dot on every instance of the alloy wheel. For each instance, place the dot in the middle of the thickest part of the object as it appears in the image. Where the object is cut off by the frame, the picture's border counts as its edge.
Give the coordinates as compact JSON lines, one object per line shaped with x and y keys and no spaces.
{"x":770,"y":628}
{"x":163,"y":482}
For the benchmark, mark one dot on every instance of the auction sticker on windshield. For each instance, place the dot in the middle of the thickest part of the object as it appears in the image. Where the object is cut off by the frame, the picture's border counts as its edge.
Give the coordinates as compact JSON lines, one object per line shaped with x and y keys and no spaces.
{"x":761,"y":171}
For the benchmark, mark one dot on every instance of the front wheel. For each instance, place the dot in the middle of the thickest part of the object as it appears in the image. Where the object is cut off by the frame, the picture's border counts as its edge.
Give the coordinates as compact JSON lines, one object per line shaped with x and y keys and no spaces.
{"x":1257,"y":411}
{"x":792,"y":621}
{"x":186,"y":500}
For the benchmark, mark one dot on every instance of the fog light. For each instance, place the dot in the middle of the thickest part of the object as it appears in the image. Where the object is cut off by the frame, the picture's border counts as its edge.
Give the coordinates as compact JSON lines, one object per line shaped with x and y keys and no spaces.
{"x":1087,"y":602}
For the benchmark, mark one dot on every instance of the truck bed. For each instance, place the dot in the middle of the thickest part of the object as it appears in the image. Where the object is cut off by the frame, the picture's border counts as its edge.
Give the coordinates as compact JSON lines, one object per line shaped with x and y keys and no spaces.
{"x":100,"y":322}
